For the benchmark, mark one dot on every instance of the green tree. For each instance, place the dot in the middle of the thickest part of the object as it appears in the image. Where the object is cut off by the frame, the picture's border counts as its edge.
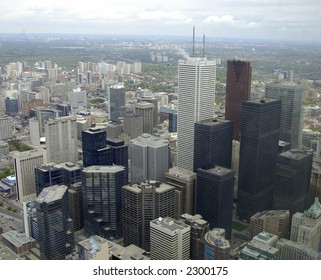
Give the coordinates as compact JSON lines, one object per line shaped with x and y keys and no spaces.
{"x":1,"y":204}
{"x":9,"y":208}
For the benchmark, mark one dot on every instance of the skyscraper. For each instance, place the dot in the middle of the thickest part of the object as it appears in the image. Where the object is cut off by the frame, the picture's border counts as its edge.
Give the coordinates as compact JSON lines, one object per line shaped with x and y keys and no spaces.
{"x":214,"y":197}
{"x":94,"y":148}
{"x":291,"y":122}
{"x":238,"y":89}
{"x":213,"y":143}
{"x":143,"y":202}
{"x":199,"y":228}
{"x":47,"y":175}
{"x":154,"y":101}
{"x":78,"y":101}
{"x":184,"y":182}
{"x":120,"y":154}
{"x":292,"y":180}
{"x":258,"y":153}
{"x":24,"y":166}
{"x":169,"y":239}
{"x":6,"y":124}
{"x":61,"y":139}
{"x":196,"y":95}
{"x":54,"y":228}
{"x":149,"y":158}
{"x":146,"y":110}
{"x":102,"y":202}
{"x":116,"y":104}
{"x":133,"y":125}
{"x":12,"y":106}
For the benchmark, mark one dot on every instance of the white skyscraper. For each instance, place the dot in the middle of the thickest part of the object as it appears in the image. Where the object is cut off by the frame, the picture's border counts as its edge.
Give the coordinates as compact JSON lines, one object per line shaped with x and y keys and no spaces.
{"x":196,"y":96}
{"x":61,"y":139}
{"x":24,"y":166}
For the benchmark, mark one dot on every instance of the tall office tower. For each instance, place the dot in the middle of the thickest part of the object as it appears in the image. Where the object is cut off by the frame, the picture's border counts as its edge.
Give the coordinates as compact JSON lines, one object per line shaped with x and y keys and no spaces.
{"x":146,"y":110}
{"x":184,"y":182}
{"x":143,"y":202}
{"x":80,"y":78}
{"x":291,"y":122}
{"x":133,"y":125}
{"x":78,"y":101}
{"x":196,"y":95}
{"x":213,"y":143}
{"x":149,"y":158}
{"x":292,"y":180}
{"x":169,"y":239}
{"x":154,"y":101}
{"x":238,"y":89}
{"x":12,"y":106}
{"x":120,"y":154}
{"x":214,"y":197}
{"x":289,"y":250}
{"x":116,"y":104}
{"x":199,"y":228}
{"x":94,"y":148}
{"x":24,"y":166}
{"x":6,"y":124}
{"x":71,"y":173}
{"x":61,"y":139}
{"x":56,"y":239}
{"x":64,"y":109}
{"x":47,"y":175}
{"x":89,"y":77}
{"x":306,"y":227}
{"x":216,"y":246}
{"x":44,"y":115}
{"x":93,"y":248}
{"x":273,"y":221}
{"x":76,"y":212}
{"x":102,"y":201}
{"x":258,"y":153}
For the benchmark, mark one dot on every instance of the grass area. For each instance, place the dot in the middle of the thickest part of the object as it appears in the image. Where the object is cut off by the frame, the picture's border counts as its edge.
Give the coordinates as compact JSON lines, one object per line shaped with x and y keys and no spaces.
{"x":16,"y":145}
{"x":238,"y":226}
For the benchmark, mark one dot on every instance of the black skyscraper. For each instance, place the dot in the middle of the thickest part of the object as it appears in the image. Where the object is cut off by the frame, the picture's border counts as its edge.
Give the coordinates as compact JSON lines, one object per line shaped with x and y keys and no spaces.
{"x":95,"y":150}
{"x":12,"y":107}
{"x":292,"y":181}
{"x":213,"y":143}
{"x":258,"y":152}
{"x":48,"y":175}
{"x":120,"y":154}
{"x":214,"y":197}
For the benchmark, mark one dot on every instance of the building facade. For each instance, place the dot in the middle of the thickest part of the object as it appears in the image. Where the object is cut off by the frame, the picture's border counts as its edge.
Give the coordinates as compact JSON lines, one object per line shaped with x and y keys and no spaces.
{"x":142,"y":203}
{"x":258,"y":153}
{"x":196,"y":95}
{"x":213,"y":143}
{"x":238,"y":89}
{"x":214,"y":197}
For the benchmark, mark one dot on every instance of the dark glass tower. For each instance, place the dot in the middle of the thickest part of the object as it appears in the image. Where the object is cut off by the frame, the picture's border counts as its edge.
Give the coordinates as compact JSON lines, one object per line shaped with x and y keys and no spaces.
{"x":116,"y":97}
{"x":48,"y":175}
{"x":238,"y":89}
{"x":213,"y":143}
{"x":94,"y":148}
{"x":54,"y":228}
{"x":120,"y":154}
{"x":214,"y":197}
{"x":292,"y":181}
{"x":258,"y":153}
{"x":102,"y":203}
{"x":12,"y":107}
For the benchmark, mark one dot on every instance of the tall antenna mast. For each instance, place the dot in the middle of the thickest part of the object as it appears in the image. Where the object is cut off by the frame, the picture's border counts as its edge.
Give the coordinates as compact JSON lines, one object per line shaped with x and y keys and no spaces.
{"x":193,"y":53}
{"x":203,"y":45}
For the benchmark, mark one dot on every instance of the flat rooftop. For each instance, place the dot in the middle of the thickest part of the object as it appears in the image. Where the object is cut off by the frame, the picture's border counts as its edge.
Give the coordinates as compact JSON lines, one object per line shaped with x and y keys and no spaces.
{"x":52,"y":193}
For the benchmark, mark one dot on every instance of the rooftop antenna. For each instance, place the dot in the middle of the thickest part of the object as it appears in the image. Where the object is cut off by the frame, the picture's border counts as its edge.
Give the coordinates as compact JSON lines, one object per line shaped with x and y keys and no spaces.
{"x":203,"y":45}
{"x":193,"y":53}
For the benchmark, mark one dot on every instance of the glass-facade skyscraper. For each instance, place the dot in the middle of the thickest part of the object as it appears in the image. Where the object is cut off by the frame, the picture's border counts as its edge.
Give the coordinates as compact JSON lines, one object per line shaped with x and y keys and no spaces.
{"x":55,"y":234}
{"x":213,"y":143}
{"x":102,"y":203}
{"x":238,"y":89}
{"x":258,"y":153}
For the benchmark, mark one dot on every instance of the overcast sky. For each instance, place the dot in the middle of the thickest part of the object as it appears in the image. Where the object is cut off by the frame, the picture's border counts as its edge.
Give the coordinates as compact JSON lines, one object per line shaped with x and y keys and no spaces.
{"x":264,"y":19}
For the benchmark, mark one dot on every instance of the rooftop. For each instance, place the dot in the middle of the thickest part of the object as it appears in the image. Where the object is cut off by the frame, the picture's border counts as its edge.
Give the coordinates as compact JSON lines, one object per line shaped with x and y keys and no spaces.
{"x":104,"y":168}
{"x":16,"y":238}
{"x":295,"y":154}
{"x":51,"y":193}
{"x":170,"y":224}
{"x":314,"y":211}
{"x":182,"y":173}
{"x":93,"y":244}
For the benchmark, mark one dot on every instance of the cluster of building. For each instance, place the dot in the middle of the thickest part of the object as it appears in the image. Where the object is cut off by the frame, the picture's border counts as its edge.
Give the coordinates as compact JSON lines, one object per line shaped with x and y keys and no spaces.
{"x":165,"y":193}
